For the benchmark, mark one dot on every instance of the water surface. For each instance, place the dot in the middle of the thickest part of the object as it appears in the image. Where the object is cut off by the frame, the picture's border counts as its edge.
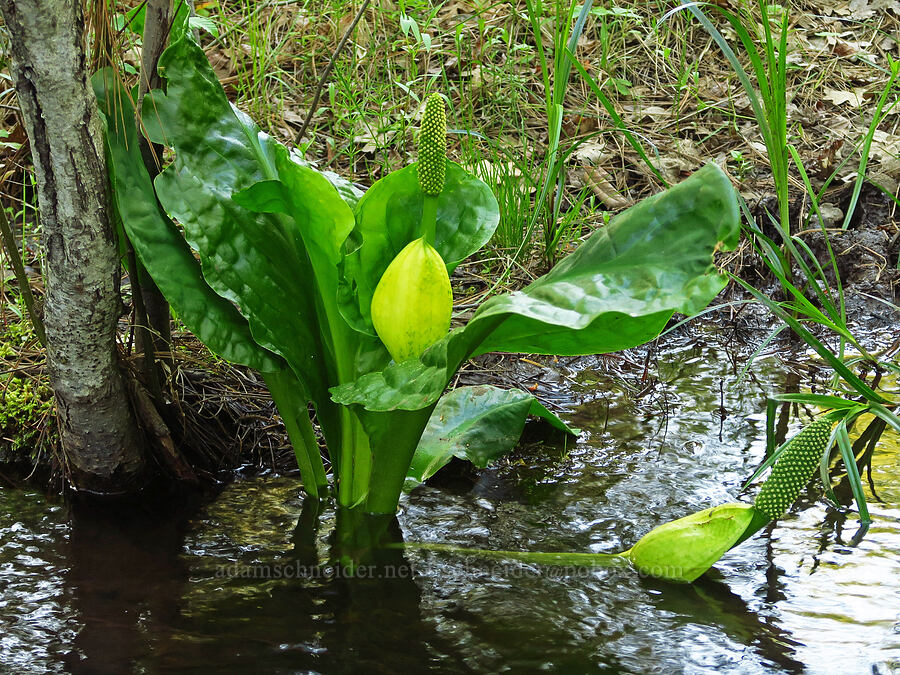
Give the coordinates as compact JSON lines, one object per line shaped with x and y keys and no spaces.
{"x":241,"y":585}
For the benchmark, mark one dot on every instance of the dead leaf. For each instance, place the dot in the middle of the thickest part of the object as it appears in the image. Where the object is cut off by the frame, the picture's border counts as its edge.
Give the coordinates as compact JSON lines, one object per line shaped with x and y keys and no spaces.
{"x":838,"y":97}
{"x":598,"y":179}
{"x":861,"y":10}
{"x":591,"y":152}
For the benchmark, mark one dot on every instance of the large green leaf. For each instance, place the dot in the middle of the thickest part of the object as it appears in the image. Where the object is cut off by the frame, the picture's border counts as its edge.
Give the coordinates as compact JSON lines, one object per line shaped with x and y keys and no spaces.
{"x":159,"y":244}
{"x":620,"y":287}
{"x":479,"y":424}
{"x":388,"y":217}
{"x":616,"y":291}
{"x":307,"y":199}
{"x":257,"y":260}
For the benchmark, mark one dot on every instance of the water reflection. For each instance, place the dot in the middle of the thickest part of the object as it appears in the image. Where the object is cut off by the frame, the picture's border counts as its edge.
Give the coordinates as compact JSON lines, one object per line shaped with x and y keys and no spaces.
{"x":710,"y":605}
{"x":37,"y":624}
{"x":124,"y":580}
{"x":210,"y":589}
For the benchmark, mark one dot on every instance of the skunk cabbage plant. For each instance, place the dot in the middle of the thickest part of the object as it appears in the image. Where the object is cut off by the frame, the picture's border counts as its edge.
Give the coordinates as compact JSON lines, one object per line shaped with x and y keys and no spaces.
{"x":341,"y":300}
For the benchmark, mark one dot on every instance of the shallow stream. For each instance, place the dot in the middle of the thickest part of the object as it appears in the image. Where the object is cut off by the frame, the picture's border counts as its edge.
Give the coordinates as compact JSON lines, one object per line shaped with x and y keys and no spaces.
{"x":239,"y":585}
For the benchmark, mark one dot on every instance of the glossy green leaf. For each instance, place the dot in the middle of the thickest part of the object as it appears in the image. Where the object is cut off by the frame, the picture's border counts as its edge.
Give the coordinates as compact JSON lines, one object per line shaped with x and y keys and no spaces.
{"x":159,"y":244}
{"x":616,"y":291}
{"x":600,"y":300}
{"x":320,"y":221}
{"x":620,"y":287}
{"x":479,"y":423}
{"x":256,"y":260}
{"x":846,"y":449}
{"x":388,"y":217}
{"x":683,"y":549}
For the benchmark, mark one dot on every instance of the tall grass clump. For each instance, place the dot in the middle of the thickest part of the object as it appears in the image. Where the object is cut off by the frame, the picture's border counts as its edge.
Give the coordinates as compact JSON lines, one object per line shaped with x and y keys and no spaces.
{"x":555,"y":71}
{"x":767,"y":51}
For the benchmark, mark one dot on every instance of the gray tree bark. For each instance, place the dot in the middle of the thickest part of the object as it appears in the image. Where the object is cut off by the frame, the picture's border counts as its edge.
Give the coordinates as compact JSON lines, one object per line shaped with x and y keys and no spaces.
{"x":100,"y":440}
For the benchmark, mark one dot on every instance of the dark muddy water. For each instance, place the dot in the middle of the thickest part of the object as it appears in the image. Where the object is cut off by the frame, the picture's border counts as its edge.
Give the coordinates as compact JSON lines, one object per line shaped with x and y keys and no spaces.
{"x":236,"y":587}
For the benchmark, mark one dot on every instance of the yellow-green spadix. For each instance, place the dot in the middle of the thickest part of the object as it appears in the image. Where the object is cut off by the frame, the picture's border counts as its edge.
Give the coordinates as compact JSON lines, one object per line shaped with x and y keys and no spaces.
{"x":683,"y":549}
{"x":413,"y":301}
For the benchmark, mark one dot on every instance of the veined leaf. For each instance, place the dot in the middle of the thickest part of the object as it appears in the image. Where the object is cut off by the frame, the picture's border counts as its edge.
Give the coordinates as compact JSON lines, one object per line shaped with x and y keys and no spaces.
{"x":256,"y":260}
{"x":479,"y":424}
{"x":620,"y":287}
{"x":161,"y":247}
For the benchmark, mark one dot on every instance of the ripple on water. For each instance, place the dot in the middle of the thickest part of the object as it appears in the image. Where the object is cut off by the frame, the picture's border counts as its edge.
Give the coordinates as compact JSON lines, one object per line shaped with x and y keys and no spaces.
{"x":37,"y":621}
{"x":804,"y":596}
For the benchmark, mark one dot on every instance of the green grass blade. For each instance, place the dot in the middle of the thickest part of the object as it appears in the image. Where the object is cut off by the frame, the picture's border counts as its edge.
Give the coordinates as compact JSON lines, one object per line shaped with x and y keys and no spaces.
{"x":843,"y":441}
{"x":802,"y":305}
{"x":732,"y":58}
{"x":617,"y":120}
{"x":821,"y":400}
{"x":867,"y":142}
{"x":761,"y":243}
{"x":756,"y":352}
{"x":824,"y":463}
{"x":886,"y":415}
{"x":817,"y":281}
{"x":814,"y":199}
{"x":851,"y":378}
{"x":567,"y":57}
{"x":539,"y":45}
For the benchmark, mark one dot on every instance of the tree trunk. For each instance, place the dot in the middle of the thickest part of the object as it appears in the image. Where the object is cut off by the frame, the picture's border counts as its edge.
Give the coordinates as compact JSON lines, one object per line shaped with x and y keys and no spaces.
{"x":100,"y":441}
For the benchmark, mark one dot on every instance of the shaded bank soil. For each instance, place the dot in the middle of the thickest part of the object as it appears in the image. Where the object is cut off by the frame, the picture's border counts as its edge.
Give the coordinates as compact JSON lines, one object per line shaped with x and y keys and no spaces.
{"x":220,"y":418}
{"x":866,"y":251}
